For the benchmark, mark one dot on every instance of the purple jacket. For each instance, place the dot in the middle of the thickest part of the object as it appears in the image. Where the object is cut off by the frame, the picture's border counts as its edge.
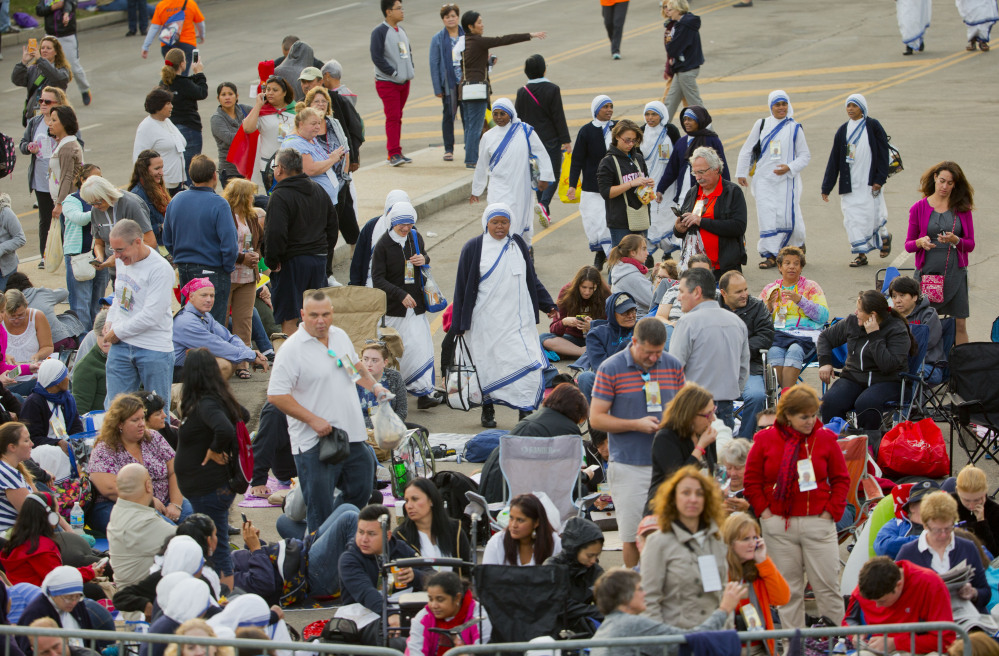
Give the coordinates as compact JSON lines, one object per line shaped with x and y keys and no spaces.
{"x":919,"y":219}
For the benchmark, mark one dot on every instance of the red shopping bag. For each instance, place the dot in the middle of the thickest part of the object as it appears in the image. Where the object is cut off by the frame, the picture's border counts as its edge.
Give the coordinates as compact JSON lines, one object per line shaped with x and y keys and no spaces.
{"x":915,"y":449}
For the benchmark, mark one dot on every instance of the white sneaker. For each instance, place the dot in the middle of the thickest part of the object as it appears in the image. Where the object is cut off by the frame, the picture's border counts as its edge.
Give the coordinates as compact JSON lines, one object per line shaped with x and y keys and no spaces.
{"x":332,"y":282}
{"x":543,"y":217}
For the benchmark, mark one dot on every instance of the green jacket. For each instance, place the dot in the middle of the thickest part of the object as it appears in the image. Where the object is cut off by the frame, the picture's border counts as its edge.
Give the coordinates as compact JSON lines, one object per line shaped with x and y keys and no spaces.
{"x":90,"y":381}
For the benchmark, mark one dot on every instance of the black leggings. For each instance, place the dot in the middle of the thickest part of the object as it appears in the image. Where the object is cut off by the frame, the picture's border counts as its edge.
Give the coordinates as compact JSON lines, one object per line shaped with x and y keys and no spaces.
{"x":45,"y":207}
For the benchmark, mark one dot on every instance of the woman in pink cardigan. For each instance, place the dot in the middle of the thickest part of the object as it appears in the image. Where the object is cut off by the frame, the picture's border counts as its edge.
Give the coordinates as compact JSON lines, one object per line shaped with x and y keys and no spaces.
{"x":941,"y":234}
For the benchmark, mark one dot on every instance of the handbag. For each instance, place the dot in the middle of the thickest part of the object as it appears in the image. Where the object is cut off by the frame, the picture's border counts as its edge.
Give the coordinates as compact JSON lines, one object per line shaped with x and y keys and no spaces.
{"x":83,"y":270}
{"x":433,"y":297}
{"x":334,"y":447}
{"x":462,"y":379}
{"x":472,"y":90}
{"x":638,"y":219}
{"x":932,"y":285}
{"x":170,"y":32}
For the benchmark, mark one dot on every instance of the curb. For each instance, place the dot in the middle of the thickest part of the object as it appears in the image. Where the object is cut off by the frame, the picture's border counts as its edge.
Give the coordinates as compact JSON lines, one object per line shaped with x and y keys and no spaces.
{"x":92,"y":21}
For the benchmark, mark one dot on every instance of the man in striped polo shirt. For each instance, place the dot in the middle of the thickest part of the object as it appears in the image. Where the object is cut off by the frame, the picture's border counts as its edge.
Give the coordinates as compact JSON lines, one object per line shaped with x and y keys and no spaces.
{"x":631,"y":389}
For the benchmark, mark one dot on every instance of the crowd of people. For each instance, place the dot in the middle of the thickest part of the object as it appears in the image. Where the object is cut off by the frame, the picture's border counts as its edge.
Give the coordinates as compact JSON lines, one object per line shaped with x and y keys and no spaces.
{"x":728,"y":507}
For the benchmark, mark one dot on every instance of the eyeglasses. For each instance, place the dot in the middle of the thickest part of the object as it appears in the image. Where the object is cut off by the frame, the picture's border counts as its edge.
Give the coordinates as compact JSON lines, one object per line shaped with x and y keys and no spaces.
{"x":943,"y":530}
{"x":630,"y":142}
{"x":701,"y":172}
{"x":708,"y":414}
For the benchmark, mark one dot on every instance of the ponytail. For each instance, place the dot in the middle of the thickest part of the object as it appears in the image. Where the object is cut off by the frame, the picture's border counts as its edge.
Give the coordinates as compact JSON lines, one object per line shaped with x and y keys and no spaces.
{"x":872,"y":302}
{"x":174,"y":60}
{"x":625,"y":248}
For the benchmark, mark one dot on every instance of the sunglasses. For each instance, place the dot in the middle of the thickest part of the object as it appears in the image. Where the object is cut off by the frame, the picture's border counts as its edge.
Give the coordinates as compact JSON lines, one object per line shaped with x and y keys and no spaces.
{"x":47,"y":102}
{"x":374,"y":341}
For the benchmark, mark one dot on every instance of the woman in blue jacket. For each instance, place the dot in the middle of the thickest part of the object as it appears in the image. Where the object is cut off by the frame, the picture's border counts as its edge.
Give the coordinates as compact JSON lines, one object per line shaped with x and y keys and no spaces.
{"x":445,"y":71}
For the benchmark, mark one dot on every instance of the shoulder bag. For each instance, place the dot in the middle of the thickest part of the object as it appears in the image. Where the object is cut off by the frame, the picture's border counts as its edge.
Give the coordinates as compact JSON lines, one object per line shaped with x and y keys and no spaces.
{"x":433,"y":297}
{"x":472,"y":90}
{"x":462,"y":379}
{"x":932,"y":285}
{"x":638,"y":219}
{"x":170,"y":32}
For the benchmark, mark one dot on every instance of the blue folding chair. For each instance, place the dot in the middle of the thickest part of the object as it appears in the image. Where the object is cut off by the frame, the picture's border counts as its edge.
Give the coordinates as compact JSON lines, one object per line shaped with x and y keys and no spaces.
{"x":901,"y":411}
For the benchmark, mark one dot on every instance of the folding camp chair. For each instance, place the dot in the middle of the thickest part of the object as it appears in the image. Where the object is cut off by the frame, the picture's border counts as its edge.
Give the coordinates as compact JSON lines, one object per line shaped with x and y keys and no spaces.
{"x":523,"y":603}
{"x":544,"y":464}
{"x":974,"y":409}
{"x":930,"y":390}
{"x":901,"y":411}
{"x":864,"y":492}
{"x":883,"y":277}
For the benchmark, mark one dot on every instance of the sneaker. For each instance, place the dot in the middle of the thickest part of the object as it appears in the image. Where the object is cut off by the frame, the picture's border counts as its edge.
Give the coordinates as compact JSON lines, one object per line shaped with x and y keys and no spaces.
{"x":86,"y":97}
{"x":543,"y":217}
{"x":131,"y":33}
{"x":11,"y":29}
{"x":396,"y":160}
{"x":41,"y":263}
{"x":616,"y":55}
{"x":405,"y":159}
{"x":333,"y":282}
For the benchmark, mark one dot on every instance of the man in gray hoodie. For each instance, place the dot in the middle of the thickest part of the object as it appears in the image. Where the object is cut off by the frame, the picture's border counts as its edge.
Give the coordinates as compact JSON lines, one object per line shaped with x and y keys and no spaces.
{"x":393,"y":60}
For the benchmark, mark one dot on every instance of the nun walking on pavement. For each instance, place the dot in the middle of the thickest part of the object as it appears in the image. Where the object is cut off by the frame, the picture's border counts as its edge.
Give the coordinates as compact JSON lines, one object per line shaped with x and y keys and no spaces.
{"x":658,"y":137}
{"x":592,"y":143}
{"x":774,"y":155}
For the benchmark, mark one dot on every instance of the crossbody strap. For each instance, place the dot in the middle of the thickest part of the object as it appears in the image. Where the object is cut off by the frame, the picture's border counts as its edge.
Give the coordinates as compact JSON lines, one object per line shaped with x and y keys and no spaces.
{"x":950,"y":248}
{"x":532,"y":96}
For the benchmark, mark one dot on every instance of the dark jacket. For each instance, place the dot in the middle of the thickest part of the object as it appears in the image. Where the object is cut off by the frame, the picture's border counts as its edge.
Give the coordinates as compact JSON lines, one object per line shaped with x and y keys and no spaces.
{"x":838,"y":166}
{"x":255,"y":573}
{"x":578,"y":533}
{"x":878,"y":357}
{"x":359,"y":575}
{"x":670,"y":452}
{"x":986,"y":530}
{"x":454,"y":546}
{"x":678,"y":164}
{"x":544,"y":422}
{"x":35,"y":414}
{"x":729,"y":224}
{"x":924,"y":314}
{"x":631,"y":167}
{"x":360,"y":261}
{"x":53,"y":17}
{"x":351,"y":122}
{"x":587,"y":153}
{"x":208,"y":427}
{"x":466,"y":287}
{"x":476,"y":56}
{"x":606,"y":336}
{"x":539,"y":104}
{"x":685,"y":47}
{"x":187,"y":91}
{"x":295,"y":222}
{"x":41,"y":607}
{"x":761,"y":331}
{"x":35,"y":77}
{"x":441,"y":70}
{"x":963,"y":550}
{"x":388,"y":273}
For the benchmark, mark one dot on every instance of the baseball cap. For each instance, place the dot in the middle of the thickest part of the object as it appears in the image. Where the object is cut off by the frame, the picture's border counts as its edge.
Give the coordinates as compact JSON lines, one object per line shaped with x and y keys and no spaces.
{"x":623,"y":303}
{"x":920,"y":490}
{"x":310,"y":73}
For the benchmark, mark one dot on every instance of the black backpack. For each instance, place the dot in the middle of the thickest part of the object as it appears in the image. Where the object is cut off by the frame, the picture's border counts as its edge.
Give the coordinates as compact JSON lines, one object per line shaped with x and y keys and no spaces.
{"x":8,"y":155}
{"x":452,"y":486}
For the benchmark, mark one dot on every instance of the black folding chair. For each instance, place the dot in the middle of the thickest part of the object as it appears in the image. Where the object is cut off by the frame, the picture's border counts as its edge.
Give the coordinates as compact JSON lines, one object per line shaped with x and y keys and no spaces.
{"x":974,"y":403}
{"x":929,"y":397}
{"x":523,"y":602}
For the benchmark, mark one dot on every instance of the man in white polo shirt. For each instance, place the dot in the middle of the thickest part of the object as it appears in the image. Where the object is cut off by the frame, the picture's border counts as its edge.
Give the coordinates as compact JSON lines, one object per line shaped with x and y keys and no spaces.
{"x":313,"y":383}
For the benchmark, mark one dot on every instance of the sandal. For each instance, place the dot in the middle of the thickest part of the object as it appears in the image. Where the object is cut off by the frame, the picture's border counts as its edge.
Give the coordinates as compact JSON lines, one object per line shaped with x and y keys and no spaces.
{"x":768,"y":263}
{"x":859,"y":261}
{"x":448,"y":157}
{"x":971,"y":44}
{"x":243,"y":374}
{"x":983,"y":46}
{"x":886,"y":246}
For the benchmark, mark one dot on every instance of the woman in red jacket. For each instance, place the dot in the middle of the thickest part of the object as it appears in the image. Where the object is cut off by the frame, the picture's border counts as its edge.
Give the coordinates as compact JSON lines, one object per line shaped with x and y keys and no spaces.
{"x":31,"y":552}
{"x":748,"y":562}
{"x":796,"y":482}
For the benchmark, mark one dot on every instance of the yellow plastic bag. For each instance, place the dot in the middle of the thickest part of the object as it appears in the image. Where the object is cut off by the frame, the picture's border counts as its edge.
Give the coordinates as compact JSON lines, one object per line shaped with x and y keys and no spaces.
{"x":563,"y":180}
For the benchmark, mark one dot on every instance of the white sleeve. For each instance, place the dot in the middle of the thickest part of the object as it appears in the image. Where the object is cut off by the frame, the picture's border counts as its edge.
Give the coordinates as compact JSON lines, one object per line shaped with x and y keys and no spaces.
{"x":544,"y":162}
{"x":493,"y":554}
{"x":746,"y":153}
{"x":802,"y":155}
{"x":414,"y":644}
{"x":160,"y":290}
{"x":481,"y":176}
{"x":284,"y":376}
{"x":141,"y":140}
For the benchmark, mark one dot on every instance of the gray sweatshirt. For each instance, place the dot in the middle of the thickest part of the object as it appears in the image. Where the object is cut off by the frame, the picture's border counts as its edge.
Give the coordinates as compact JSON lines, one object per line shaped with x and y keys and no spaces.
{"x":11,"y":237}
{"x":623,"y":625}
{"x":625,"y":277}
{"x":391,"y":54}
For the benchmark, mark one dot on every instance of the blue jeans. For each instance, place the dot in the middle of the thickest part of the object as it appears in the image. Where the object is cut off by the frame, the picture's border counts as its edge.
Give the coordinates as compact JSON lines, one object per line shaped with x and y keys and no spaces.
{"x":332,"y":539}
{"x":85,"y":295}
{"x":320,"y":481}
{"x":130,"y":366}
{"x":447,"y":120}
{"x":754,"y":401}
{"x":216,"y":505}
{"x":288,"y":528}
{"x":193,"y":148}
{"x":585,"y":382}
{"x":220,"y":279}
{"x":793,"y":356}
{"x":259,"y":334}
{"x":4,"y":15}
{"x":138,"y":16}
{"x":725,"y":412}
{"x":617,"y":234}
{"x":473,"y":116}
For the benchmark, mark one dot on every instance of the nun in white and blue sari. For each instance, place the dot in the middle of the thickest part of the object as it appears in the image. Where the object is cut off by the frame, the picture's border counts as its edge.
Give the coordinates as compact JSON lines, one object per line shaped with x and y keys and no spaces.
{"x":776,"y":182}
{"x":979,"y":17}
{"x":657,"y":146}
{"x":860,"y":159}
{"x":396,"y":263}
{"x":913,"y":21}
{"x":496,"y":301}
{"x":505,"y":155}
{"x":250,"y":610}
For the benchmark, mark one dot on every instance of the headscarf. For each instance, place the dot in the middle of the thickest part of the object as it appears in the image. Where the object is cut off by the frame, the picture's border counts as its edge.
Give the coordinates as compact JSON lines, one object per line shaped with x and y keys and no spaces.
{"x":244,"y":610}
{"x":776,"y":96}
{"x":595,"y":106}
{"x":506,"y":106}
{"x":190,"y":598}
{"x":193,"y":285}
{"x":699,"y":136}
{"x":402,"y":213}
{"x":657,"y":107}
{"x":299,"y":58}
{"x":383,"y":224}
{"x":166,"y":585}
{"x":493,"y":210}
{"x":63,"y":580}
{"x":183,"y":554}
{"x":493,"y":248}
{"x":859,"y":101}
{"x":650,"y":135}
{"x":52,"y":372}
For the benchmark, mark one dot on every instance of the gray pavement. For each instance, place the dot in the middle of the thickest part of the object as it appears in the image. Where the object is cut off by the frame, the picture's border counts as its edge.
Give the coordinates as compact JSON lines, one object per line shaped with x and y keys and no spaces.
{"x":818,"y":52}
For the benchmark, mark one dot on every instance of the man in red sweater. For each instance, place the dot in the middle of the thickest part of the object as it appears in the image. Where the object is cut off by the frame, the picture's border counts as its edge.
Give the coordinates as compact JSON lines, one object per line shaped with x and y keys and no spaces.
{"x":890,"y":592}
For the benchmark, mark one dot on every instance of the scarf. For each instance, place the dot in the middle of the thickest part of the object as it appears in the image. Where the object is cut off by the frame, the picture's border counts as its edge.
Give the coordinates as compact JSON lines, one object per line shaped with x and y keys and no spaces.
{"x":460,"y":618}
{"x":699,"y":136}
{"x":787,"y":475}
{"x":63,"y":400}
{"x":638,"y":265}
{"x":243,"y":150}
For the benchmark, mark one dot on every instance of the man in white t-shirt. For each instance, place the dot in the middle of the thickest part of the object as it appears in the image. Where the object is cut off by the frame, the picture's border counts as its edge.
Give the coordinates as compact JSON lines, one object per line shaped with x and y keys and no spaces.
{"x":313,"y":383}
{"x":139,"y":326}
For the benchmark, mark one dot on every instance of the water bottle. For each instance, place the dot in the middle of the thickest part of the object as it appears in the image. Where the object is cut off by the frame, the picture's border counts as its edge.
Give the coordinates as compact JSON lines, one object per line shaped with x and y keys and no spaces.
{"x":399,"y":471}
{"x":840,"y":647}
{"x":721,"y":476}
{"x":76,"y":519}
{"x":781,"y":318}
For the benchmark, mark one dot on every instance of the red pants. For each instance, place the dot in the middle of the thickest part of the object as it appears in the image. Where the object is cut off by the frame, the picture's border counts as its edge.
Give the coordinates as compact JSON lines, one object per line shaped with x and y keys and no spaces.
{"x":393,"y":100}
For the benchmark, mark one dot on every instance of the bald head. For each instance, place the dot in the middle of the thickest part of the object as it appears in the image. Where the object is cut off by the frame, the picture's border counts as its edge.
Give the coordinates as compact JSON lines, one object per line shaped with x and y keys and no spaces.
{"x":135,"y":484}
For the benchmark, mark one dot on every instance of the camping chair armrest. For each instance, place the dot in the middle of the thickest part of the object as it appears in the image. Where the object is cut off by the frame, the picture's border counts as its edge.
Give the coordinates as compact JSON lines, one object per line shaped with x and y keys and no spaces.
{"x":914,"y":378}
{"x":965,"y":408}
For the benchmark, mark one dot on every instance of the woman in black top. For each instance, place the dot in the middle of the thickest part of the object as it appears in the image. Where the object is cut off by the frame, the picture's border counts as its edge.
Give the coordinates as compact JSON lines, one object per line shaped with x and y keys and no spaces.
{"x":684,"y":435}
{"x":187,"y":91}
{"x":426,"y":526}
{"x":395,"y":269}
{"x":621,"y":177}
{"x":207,"y":443}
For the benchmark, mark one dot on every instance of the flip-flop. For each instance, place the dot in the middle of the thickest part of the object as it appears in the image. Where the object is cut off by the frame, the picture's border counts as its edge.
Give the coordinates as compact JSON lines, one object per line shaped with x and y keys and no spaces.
{"x":859,"y":261}
{"x":243,"y":374}
{"x":886,"y":246}
{"x":448,"y":157}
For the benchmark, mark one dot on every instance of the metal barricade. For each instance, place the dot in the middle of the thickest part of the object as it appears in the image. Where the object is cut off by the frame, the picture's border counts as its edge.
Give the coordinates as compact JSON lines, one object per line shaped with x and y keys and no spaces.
{"x":745,"y":637}
{"x":128,"y":642}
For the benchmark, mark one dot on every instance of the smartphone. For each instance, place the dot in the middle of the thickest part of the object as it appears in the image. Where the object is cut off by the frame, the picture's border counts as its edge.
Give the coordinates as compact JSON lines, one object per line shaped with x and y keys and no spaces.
{"x":195,"y":56}
{"x":95,"y":262}
{"x":243,"y":515}
{"x":676,"y":210}
{"x":32,"y":45}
